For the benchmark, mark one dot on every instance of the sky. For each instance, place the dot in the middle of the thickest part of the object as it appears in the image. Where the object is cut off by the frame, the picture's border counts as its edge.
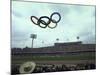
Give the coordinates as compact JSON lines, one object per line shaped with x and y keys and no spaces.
{"x":76,"y":20}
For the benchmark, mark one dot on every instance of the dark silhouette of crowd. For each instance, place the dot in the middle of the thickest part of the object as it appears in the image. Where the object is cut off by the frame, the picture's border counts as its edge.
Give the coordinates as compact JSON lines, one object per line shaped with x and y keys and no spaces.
{"x":56,"y":68}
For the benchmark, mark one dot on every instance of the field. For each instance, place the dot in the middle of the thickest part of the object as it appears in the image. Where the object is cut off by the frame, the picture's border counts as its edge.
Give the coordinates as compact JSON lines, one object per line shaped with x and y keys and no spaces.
{"x":18,"y":59}
{"x":54,"y":63}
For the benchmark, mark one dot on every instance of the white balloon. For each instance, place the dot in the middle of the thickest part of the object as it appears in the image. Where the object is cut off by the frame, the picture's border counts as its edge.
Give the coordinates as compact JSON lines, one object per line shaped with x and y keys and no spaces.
{"x":29,"y":66}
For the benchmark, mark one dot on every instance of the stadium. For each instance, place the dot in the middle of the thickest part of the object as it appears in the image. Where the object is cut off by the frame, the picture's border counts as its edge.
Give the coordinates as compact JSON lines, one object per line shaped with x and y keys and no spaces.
{"x":67,"y":56}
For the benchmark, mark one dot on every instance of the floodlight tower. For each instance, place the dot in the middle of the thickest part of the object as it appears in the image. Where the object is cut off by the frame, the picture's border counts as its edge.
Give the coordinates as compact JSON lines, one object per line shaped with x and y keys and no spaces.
{"x":33,"y":36}
{"x":78,"y":38}
{"x":57,"y":39}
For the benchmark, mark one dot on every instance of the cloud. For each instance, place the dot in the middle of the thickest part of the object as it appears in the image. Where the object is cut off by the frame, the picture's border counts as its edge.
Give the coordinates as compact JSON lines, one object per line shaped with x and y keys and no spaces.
{"x":16,"y":14}
{"x":76,"y":20}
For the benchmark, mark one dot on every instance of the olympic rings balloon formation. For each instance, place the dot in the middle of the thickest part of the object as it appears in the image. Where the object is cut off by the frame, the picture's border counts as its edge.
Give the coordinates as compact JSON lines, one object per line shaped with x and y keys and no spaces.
{"x":43,"y":23}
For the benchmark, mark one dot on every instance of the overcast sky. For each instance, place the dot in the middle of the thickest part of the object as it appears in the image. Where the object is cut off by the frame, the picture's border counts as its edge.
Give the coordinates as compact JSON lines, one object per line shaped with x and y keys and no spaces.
{"x":76,"y":20}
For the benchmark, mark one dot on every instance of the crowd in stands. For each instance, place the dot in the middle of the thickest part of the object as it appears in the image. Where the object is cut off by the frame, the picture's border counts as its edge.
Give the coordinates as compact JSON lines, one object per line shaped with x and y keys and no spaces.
{"x":56,"y":68}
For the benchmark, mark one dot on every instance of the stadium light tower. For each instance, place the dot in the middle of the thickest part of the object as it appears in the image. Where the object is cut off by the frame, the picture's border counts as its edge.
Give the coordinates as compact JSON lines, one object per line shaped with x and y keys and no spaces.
{"x":57,"y":39}
{"x":33,"y":36}
{"x":78,"y":38}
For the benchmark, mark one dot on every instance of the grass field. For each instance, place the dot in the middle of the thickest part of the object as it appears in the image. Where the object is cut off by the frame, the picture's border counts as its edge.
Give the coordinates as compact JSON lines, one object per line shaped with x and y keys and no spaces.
{"x":20,"y":59}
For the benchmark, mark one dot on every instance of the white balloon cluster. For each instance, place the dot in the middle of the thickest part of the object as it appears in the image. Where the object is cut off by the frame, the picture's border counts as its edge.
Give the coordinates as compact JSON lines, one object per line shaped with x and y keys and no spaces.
{"x":27,"y":67}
